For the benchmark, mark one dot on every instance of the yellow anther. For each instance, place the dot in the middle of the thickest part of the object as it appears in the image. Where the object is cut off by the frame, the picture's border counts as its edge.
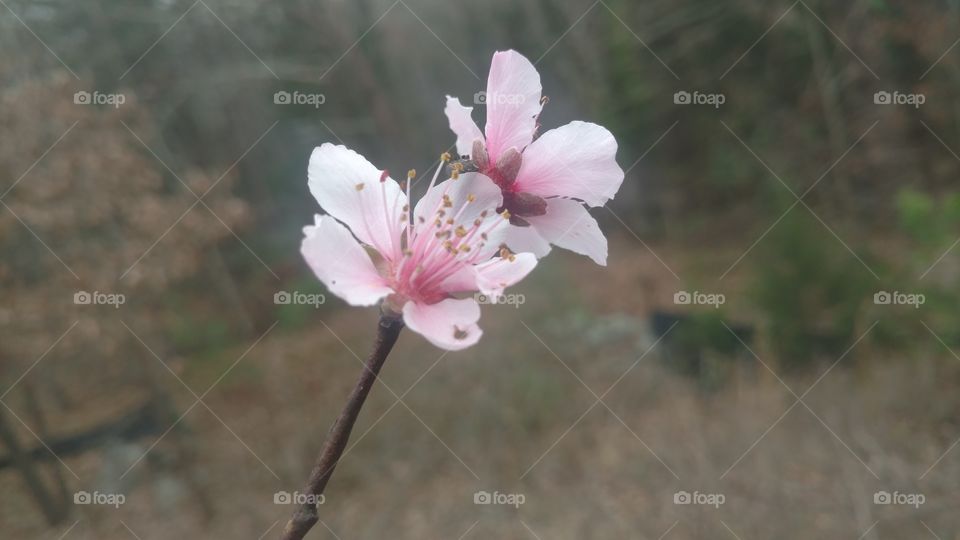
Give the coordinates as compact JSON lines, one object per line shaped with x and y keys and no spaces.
{"x":449,"y":221}
{"x":461,"y":232}
{"x":506,"y":214}
{"x":454,"y":175}
{"x":359,"y":186}
{"x":464,"y":248}
{"x":445,"y":157}
{"x":411,"y":174}
{"x":471,"y":197}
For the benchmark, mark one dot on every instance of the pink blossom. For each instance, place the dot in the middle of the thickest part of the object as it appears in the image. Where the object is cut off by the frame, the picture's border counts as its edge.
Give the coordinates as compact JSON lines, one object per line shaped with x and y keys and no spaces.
{"x":544,"y":180}
{"x":450,"y":244}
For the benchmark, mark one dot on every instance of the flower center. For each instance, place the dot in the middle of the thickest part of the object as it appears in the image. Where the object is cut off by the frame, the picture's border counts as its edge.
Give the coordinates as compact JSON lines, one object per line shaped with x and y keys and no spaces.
{"x":442,"y":241}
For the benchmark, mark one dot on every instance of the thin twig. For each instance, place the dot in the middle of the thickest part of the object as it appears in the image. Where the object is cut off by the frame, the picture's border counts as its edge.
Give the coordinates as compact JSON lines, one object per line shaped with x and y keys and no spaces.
{"x":305,"y":516}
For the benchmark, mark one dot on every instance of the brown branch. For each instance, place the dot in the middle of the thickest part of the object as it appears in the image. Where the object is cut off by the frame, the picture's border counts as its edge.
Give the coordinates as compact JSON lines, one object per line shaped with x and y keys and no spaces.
{"x":305,"y":516}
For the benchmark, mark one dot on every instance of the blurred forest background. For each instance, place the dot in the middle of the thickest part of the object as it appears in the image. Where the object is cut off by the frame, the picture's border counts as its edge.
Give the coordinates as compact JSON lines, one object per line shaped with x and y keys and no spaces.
{"x":199,"y":399}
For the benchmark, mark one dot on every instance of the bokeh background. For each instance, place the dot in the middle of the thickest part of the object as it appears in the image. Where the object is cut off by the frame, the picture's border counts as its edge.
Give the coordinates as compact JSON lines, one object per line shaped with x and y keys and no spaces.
{"x":803,"y":401}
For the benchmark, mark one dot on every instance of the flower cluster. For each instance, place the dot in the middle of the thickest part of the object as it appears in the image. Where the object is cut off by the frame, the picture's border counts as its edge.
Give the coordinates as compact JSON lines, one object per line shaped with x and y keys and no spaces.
{"x":508,"y":197}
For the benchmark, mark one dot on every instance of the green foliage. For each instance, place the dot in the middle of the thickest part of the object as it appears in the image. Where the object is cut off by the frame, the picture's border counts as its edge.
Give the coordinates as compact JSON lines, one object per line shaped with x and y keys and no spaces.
{"x":933,"y":225}
{"x":927,"y":221}
{"x":809,"y":290}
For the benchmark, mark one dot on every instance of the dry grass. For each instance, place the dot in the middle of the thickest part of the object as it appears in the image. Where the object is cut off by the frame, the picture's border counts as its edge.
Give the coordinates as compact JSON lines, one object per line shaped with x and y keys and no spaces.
{"x":511,"y":416}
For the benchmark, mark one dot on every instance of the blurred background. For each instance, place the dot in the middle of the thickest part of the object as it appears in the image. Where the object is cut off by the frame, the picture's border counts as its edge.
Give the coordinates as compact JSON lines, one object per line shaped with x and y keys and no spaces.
{"x":772,"y":351}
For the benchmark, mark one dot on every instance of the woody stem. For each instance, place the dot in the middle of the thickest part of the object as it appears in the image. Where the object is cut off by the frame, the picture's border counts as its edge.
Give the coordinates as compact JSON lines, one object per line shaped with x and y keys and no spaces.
{"x":306,"y":516}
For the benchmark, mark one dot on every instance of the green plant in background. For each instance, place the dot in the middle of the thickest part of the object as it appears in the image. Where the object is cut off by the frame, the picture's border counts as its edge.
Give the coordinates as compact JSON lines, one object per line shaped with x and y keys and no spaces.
{"x":809,"y":291}
{"x":932,"y":226}
{"x":929,"y":223}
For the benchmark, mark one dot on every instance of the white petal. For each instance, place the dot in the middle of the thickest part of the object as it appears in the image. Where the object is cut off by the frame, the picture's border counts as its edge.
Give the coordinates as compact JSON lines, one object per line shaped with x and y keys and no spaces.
{"x":526,"y":240}
{"x":449,"y":324}
{"x":577,"y":160}
{"x":513,"y":103}
{"x":341,"y":263}
{"x":497,"y":274}
{"x":567,"y":224}
{"x":462,"y":124}
{"x":348,"y":187}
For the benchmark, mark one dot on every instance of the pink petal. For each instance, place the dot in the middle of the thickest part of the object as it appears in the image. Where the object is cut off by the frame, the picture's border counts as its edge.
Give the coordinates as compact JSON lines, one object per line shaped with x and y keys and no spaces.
{"x":497,"y":274}
{"x":463,"y":280}
{"x":513,"y":103}
{"x":462,"y":124}
{"x":487,"y":196}
{"x":526,"y":240}
{"x":341,"y":263}
{"x":449,"y":324}
{"x":348,"y":187}
{"x":567,"y":224}
{"x":577,"y":160}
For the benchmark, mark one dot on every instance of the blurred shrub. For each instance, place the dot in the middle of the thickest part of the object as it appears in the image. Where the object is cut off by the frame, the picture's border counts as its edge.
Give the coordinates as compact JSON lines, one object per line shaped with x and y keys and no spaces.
{"x":809,"y":291}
